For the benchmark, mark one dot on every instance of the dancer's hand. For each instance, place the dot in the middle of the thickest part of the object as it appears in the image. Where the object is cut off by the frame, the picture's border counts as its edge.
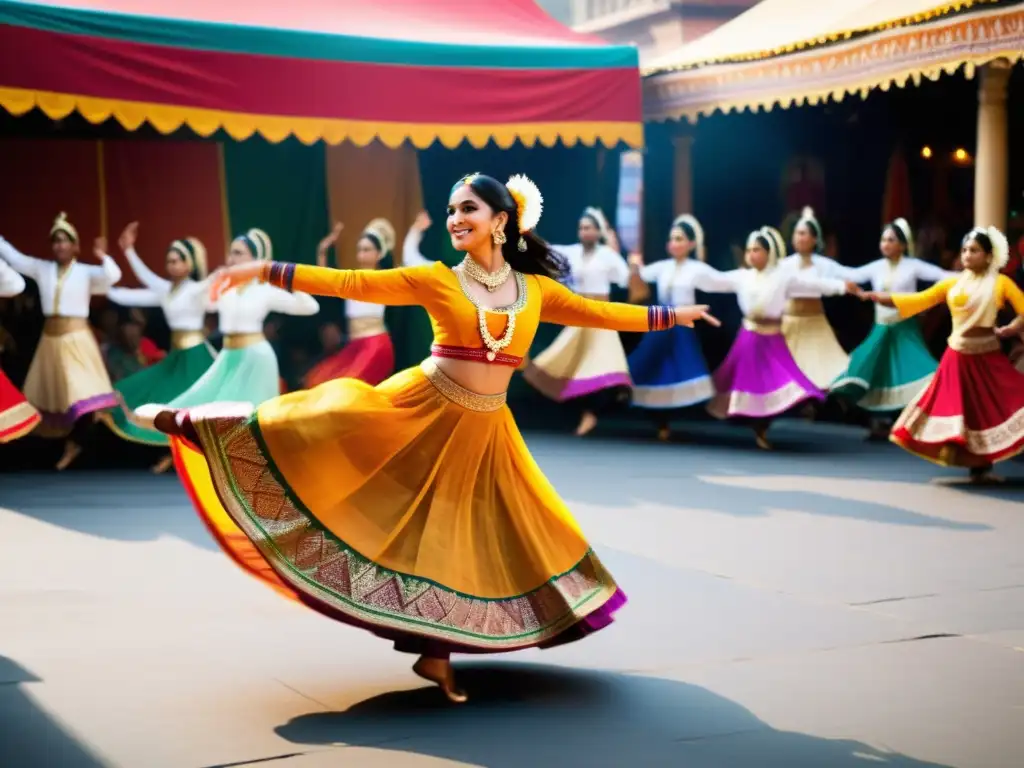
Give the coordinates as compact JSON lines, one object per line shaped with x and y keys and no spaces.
{"x":855,"y":290}
{"x":328,"y":242}
{"x":422,"y":222}
{"x":1007,"y":331}
{"x":99,"y":248}
{"x":229,"y":277}
{"x":689,"y":315}
{"x":127,"y":239}
{"x":613,"y":241}
{"x":636,"y":260}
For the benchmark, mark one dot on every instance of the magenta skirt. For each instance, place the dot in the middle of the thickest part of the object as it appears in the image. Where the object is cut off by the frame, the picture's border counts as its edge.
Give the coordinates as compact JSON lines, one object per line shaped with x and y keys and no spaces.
{"x":759,"y":379}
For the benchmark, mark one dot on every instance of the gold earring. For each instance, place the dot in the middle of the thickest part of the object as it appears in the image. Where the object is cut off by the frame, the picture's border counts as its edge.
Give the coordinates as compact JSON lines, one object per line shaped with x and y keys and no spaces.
{"x":498,"y":236}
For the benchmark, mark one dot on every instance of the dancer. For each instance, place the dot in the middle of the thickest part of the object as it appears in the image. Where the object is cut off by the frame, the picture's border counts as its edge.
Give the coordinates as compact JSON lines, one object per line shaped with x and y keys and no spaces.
{"x":587,"y":363}
{"x":246,"y":370}
{"x":893,"y":363}
{"x":413,"y":509}
{"x":972,"y":413}
{"x":668,"y":369}
{"x":369,"y":354}
{"x":805,"y":327}
{"x":183,"y":296}
{"x":67,"y":379}
{"x":17,"y":416}
{"x":759,"y":378}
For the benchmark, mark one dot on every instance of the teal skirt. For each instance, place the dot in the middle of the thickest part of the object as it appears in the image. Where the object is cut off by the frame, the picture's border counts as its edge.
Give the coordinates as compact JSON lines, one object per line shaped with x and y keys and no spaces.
{"x":888,"y":369}
{"x":159,"y":383}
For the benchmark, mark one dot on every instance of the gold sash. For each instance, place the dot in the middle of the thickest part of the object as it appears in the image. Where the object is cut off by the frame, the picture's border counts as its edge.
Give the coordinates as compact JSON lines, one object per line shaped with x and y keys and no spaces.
{"x":59,"y":326}
{"x":242,"y":340}
{"x":363,"y":327}
{"x":763,"y":327}
{"x":186,"y":339}
{"x":458,"y":394}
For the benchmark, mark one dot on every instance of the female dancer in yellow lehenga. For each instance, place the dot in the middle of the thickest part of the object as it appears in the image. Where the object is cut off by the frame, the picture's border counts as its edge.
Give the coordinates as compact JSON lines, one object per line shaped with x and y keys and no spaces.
{"x":413,"y":509}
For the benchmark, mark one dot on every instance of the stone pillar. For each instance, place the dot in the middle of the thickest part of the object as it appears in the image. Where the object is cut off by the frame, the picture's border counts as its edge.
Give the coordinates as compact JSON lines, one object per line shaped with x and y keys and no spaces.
{"x":682,"y":176}
{"x":992,"y":161}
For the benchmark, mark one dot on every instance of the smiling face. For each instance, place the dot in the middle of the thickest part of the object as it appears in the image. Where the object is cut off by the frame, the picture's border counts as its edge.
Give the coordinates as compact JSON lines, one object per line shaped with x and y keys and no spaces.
{"x":239,"y":253}
{"x":471,"y":221}
{"x":804,"y":239}
{"x":890,"y":244}
{"x":367,"y":253}
{"x":757,"y":255}
{"x":177,"y":267}
{"x":679,"y":245}
{"x":63,"y":247}
{"x":974,"y":257}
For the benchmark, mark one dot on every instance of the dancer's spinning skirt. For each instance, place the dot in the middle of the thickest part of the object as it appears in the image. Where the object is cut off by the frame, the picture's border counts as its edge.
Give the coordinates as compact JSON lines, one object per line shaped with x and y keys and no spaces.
{"x":579,"y":362}
{"x":367,"y":358}
{"x":759,"y":378}
{"x":890,"y":368}
{"x":67,"y":378}
{"x":812,"y":342}
{"x":669,"y":371}
{"x":189,"y":359}
{"x":412,"y":509}
{"x":972,"y":413}
{"x":17,"y":416}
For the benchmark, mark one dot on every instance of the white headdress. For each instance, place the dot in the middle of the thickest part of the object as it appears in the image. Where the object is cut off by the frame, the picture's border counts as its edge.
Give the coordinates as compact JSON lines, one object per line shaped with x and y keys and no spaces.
{"x":698,"y":233}
{"x":776,"y":245}
{"x":1000,"y":246}
{"x":904,"y":227}
{"x":529,"y":204}
{"x":599,"y":218}
{"x":384,"y":233}
{"x":807,"y":217}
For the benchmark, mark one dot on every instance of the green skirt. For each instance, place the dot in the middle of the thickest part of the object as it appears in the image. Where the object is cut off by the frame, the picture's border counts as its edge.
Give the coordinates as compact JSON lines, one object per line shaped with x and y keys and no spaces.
{"x":888,"y":369}
{"x":159,"y":383}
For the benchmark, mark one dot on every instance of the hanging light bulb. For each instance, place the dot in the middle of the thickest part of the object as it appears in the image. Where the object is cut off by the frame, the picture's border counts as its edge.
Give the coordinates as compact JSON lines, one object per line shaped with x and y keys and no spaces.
{"x":926,"y":152}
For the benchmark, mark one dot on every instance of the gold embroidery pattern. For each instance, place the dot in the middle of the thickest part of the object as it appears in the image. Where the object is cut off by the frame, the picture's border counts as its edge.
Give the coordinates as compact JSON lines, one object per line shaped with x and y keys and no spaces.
{"x":314,"y":562}
{"x":933,"y":430}
{"x":471,"y":401}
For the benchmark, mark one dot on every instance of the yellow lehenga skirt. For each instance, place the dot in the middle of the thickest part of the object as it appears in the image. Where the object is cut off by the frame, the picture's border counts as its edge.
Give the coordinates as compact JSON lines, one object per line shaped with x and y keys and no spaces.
{"x":412,"y":509}
{"x":812,"y":342}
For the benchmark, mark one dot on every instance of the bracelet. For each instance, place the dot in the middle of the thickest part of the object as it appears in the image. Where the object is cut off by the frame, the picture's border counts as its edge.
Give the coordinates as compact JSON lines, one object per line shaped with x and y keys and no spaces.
{"x":661,"y":318}
{"x":280,"y":275}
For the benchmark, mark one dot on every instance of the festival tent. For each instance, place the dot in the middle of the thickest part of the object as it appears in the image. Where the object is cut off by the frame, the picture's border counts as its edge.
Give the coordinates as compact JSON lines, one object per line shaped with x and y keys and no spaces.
{"x":791,"y":52}
{"x":391,"y":70}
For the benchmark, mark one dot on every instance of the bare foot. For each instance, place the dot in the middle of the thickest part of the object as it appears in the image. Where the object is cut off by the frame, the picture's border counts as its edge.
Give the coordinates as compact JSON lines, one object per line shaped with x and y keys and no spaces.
{"x":71,"y":452}
{"x":587,"y":423}
{"x":761,"y":437}
{"x":163,"y":465}
{"x":439,"y":672}
{"x":984,"y":476}
{"x":664,"y":433}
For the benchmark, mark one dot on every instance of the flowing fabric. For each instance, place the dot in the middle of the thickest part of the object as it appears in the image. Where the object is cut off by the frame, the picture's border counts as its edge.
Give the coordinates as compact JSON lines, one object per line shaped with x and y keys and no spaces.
{"x":402,"y":508}
{"x":669,"y":371}
{"x":579,"y":362}
{"x":971,"y":415}
{"x":759,"y":379}
{"x":889,"y":368}
{"x":159,"y":383}
{"x":17,"y":416}
{"x":812,"y":342}
{"x":370,"y":359}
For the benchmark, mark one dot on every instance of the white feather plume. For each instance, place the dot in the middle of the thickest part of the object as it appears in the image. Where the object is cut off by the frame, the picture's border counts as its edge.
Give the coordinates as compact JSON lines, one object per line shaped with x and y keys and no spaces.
{"x":529,"y":200}
{"x":1000,"y":247}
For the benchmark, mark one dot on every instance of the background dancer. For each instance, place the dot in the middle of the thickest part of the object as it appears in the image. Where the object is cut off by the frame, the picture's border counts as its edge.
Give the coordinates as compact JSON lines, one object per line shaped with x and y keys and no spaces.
{"x":972,"y":413}
{"x":587,"y":364}
{"x":668,"y":369}
{"x":423,"y":483}
{"x":806,"y":329}
{"x":759,"y":378}
{"x":67,"y":379}
{"x":893,"y":364}
{"x":183,"y":296}
{"x":17,"y":416}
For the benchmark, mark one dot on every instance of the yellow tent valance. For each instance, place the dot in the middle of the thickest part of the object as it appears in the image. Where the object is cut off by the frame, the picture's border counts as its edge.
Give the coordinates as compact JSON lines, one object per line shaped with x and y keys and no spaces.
{"x":891,"y":57}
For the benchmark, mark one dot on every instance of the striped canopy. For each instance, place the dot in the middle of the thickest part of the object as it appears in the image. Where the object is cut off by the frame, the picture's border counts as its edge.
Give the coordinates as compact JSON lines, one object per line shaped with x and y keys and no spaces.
{"x":392,"y":70}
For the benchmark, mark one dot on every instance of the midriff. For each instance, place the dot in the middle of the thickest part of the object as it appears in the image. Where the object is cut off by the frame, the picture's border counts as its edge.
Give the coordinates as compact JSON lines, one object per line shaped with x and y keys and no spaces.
{"x":987,"y":331}
{"x":479,"y":377}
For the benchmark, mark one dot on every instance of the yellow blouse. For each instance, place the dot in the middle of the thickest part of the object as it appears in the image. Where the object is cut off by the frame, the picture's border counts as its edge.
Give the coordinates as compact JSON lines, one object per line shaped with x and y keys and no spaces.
{"x":454,"y":311}
{"x":960,"y":293}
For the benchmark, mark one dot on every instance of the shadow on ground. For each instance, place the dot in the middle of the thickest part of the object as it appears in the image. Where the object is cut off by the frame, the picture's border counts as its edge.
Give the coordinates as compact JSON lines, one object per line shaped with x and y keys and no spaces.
{"x":537,"y":715}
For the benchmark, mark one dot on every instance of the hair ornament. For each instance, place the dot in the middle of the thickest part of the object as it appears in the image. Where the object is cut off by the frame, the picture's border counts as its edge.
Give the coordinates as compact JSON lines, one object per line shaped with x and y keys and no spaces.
{"x":381,"y":229}
{"x":807,"y":217}
{"x":1000,"y":247}
{"x":908,"y":235}
{"x":698,"y":232}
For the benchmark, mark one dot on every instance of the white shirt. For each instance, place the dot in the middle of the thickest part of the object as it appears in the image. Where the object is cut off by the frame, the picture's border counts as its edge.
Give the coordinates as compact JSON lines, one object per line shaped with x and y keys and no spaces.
{"x":676,"y":281}
{"x":411,"y":257}
{"x":899,"y":277}
{"x":820,"y":266}
{"x":762,"y":295}
{"x":184,"y":305}
{"x":67,"y":294}
{"x":243,"y":309}
{"x":594,"y":273}
{"x":11,"y":283}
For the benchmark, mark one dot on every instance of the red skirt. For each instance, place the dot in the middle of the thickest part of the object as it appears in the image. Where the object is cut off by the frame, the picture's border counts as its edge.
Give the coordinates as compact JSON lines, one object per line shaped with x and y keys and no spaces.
{"x":971,"y":415}
{"x":17,"y":416}
{"x":370,"y":359}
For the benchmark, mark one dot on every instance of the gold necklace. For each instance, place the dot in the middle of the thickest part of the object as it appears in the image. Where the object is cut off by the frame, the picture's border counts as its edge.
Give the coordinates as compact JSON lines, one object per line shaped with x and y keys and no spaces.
{"x":492,"y":281}
{"x":494,"y":346}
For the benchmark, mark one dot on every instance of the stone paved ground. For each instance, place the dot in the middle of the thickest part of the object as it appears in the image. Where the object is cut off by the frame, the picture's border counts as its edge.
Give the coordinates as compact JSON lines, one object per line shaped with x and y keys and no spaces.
{"x":829,"y":605}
